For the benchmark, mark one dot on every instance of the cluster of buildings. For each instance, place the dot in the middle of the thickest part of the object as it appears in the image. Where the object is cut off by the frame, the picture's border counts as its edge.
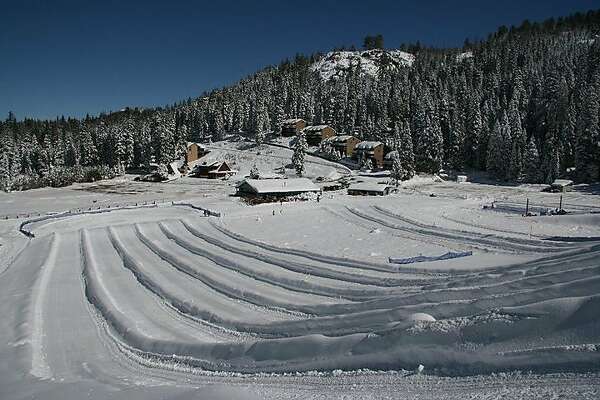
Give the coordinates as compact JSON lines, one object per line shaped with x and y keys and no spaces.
{"x":199,"y":162}
{"x":346,"y":145}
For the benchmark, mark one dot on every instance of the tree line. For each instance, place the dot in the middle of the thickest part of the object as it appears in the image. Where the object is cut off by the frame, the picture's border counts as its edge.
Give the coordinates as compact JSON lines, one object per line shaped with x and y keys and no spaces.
{"x":523,"y":105}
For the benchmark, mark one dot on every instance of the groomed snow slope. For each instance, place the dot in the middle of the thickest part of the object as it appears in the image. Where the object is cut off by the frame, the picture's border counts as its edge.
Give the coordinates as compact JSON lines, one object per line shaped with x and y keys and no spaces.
{"x":165,"y":296}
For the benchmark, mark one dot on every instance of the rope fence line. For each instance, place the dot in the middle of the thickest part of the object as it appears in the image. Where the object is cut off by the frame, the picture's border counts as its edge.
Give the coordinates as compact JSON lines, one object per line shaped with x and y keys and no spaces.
{"x":30,"y":234}
{"x":207,"y":212}
{"x":99,"y":210}
{"x":95,"y":207}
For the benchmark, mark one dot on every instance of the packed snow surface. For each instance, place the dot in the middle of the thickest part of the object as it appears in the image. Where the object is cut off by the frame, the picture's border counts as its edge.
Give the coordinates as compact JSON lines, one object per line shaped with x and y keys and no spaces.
{"x":297,"y":299}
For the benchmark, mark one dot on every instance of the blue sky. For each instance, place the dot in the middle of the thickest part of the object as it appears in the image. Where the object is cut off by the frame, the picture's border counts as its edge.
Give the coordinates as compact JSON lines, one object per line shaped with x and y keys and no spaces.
{"x":76,"y":57}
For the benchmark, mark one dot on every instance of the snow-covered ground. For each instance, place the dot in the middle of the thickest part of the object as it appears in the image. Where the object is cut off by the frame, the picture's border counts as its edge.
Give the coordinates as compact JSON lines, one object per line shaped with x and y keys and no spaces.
{"x":297,"y":300}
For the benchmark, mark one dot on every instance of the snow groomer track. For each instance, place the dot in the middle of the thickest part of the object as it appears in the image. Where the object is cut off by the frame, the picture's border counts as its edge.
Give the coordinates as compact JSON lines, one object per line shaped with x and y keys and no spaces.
{"x":183,"y":294}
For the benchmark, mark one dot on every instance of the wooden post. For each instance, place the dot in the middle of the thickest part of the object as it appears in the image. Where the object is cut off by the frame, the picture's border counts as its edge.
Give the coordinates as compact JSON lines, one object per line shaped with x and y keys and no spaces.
{"x":527,"y":208}
{"x":560,"y":206}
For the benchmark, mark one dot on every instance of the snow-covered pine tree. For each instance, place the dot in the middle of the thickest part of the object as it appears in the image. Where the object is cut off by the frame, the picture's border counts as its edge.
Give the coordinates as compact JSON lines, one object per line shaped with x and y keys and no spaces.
{"x":124,"y":148}
{"x":278,"y":117}
{"x":181,"y":140}
{"x":519,"y":141}
{"x":164,"y":139}
{"x":218,"y":125}
{"x":499,"y":149}
{"x":300,"y":148}
{"x":254,"y":174}
{"x":87,"y":147}
{"x":587,"y":148}
{"x":531,"y":163}
{"x":473,"y":127}
{"x":456,"y":138}
{"x":7,"y":165}
{"x":262,"y":124}
{"x":405,"y":151}
{"x":428,"y":137}
{"x":397,"y":172}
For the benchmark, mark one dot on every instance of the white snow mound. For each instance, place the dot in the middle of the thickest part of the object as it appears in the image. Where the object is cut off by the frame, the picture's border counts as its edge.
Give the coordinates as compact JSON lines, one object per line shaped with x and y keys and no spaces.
{"x":421,"y":317}
{"x":337,"y":63}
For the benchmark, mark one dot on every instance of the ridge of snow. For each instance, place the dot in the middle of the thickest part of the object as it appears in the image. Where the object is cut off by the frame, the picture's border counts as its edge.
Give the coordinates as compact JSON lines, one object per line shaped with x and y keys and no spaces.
{"x":336,"y":63}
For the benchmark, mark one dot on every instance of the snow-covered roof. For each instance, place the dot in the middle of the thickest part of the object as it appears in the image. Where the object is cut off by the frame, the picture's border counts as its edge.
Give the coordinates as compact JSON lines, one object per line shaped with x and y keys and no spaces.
{"x":368,"y":145}
{"x":294,"y":185}
{"x":211,"y":158}
{"x":292,"y":121}
{"x":562,"y":182}
{"x":211,"y":162}
{"x":391,"y":155}
{"x":339,"y":138}
{"x":369,"y":187}
{"x":196,"y":143}
{"x":315,"y":128}
{"x":269,"y":175}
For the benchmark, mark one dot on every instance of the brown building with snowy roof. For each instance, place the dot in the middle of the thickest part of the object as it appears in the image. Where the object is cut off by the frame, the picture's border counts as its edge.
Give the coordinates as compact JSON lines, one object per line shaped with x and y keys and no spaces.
{"x":370,"y":149}
{"x":344,"y":144}
{"x":212,"y":170}
{"x":292,"y":126}
{"x":315,"y":134}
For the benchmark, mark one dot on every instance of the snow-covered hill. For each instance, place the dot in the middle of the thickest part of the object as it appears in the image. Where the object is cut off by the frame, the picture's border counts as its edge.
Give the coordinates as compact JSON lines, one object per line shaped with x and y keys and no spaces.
{"x":336,"y":63}
{"x":464,"y":56}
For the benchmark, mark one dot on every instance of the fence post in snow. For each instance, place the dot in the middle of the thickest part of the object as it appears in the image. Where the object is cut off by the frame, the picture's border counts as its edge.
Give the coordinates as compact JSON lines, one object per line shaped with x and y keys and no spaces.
{"x":560,"y":206}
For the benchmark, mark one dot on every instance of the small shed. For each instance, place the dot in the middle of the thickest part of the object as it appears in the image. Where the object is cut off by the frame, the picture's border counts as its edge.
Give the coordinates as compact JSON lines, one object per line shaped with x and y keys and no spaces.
{"x":561,"y":185}
{"x":276,"y":187}
{"x":292,"y":126}
{"x":372,"y":150}
{"x":315,"y":134}
{"x":369,"y":189}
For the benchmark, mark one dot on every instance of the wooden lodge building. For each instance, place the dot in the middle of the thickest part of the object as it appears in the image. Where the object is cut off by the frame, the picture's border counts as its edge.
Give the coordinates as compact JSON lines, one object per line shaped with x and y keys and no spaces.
{"x":212,"y":170}
{"x":293,"y":126}
{"x":370,"y":149}
{"x":275,"y":188}
{"x":315,"y":134}
{"x":344,"y":144}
